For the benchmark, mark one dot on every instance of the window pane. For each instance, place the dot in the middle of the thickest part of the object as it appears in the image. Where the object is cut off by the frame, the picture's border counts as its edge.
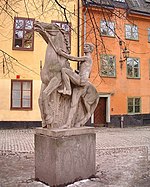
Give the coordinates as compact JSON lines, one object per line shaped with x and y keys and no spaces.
{"x":26,"y":85}
{"x":28,"y":44}
{"x":16,"y":85}
{"x":16,"y":95}
{"x":130,"y":101}
{"x":18,"y":34}
{"x":58,"y":24}
{"x":65,"y":27}
{"x":18,"y":43}
{"x":19,"y":24}
{"x":134,"y":29}
{"x":26,"y":103}
{"x":137,"y":101}
{"x":128,"y":35}
{"x":137,"y":109}
{"x":136,"y":72}
{"x":26,"y":95}
{"x":130,"y":109}
{"x":135,"y":36}
{"x":128,"y":28}
{"x":28,"y":24}
{"x":16,"y":103}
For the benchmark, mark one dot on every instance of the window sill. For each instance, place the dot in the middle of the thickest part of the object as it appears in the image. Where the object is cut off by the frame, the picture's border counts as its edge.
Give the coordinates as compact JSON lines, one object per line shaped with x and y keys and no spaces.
{"x":135,"y":40}
{"x":107,"y":36}
{"x":108,"y":76}
{"x":21,"y":109}
{"x":22,"y":49}
{"x":133,"y":113}
{"x":135,"y":78}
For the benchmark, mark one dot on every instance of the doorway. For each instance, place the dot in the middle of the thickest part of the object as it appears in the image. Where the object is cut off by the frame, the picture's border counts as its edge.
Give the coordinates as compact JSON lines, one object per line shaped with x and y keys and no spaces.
{"x":100,"y":113}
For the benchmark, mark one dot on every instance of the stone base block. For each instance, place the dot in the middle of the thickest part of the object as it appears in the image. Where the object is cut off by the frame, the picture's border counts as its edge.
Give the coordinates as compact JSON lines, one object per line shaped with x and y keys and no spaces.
{"x":63,"y":156}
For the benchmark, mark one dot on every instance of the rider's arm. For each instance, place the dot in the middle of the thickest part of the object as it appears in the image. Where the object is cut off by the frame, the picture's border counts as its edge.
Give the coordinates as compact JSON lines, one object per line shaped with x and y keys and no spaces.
{"x":72,"y":58}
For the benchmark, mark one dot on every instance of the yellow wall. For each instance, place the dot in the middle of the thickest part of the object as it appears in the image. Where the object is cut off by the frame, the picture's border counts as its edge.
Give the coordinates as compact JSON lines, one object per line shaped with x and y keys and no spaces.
{"x":30,"y":60}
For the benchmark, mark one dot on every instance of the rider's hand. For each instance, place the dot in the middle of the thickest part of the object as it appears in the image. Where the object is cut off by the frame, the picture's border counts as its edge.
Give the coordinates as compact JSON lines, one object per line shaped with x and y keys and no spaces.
{"x":59,"y":51}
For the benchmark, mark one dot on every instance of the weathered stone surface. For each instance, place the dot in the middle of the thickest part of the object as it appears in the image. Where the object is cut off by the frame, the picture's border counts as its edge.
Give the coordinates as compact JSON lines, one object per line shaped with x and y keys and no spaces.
{"x":65,"y":158}
{"x":126,"y":165}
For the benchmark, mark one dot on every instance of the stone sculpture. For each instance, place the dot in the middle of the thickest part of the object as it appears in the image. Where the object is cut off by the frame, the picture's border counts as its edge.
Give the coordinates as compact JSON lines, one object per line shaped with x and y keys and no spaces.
{"x":67,"y":99}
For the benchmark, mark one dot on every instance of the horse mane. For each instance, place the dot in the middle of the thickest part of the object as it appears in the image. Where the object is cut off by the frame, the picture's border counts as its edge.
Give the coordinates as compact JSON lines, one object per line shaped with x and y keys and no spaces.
{"x":66,"y":37}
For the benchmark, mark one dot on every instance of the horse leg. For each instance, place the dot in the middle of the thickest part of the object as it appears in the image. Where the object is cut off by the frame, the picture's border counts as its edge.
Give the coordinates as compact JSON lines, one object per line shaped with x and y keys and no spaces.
{"x":41,"y":105}
{"x":53,"y":84}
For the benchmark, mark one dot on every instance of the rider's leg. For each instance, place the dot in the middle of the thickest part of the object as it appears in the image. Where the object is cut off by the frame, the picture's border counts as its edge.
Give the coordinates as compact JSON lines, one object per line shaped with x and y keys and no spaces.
{"x":67,"y":76}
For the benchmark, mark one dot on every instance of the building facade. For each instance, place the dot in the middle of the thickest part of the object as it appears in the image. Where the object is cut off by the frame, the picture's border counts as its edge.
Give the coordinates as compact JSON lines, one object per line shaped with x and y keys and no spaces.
{"x":120,"y":30}
{"x":22,"y":53}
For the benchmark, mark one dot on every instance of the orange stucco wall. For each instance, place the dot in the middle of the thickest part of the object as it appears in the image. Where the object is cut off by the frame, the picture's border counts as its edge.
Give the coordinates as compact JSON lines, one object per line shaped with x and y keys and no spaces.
{"x":121,"y":87}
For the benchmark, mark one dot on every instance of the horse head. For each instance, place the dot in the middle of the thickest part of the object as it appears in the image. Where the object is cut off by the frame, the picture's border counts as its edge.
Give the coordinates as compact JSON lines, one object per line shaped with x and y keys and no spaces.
{"x":47,"y":30}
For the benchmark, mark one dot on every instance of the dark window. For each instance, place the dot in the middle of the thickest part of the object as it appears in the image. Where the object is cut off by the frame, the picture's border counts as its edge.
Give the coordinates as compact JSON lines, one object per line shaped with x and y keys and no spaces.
{"x":23,"y":35}
{"x":21,"y":94}
{"x":134,"y":105}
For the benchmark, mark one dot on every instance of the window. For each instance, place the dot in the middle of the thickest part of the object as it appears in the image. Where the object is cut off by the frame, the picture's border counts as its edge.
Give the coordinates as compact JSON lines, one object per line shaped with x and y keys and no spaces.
{"x":66,"y":26}
{"x":148,"y":34}
{"x":107,"y":28}
{"x":131,"y":32}
{"x":21,"y":94}
{"x":108,"y":67}
{"x":134,"y":105}
{"x":133,"y":68}
{"x":23,"y":37}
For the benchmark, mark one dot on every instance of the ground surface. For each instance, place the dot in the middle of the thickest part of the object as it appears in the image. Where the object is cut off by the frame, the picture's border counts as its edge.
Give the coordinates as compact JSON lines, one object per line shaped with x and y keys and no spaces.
{"x":122,"y":158}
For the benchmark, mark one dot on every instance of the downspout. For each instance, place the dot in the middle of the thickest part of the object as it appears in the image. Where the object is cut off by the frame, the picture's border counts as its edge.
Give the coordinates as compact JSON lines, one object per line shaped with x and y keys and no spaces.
{"x":78,"y":33}
{"x":84,"y":19}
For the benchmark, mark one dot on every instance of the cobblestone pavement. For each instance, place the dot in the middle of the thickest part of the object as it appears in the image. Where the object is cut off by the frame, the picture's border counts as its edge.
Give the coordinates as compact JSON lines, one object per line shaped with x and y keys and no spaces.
{"x":122,"y":158}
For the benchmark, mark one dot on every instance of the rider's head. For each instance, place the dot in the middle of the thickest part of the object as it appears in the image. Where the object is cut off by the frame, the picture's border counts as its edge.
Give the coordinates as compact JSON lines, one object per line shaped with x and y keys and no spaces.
{"x":88,"y":47}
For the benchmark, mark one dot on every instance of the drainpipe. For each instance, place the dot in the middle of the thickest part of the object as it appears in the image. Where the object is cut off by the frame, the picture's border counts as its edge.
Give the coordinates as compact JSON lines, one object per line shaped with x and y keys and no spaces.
{"x":78,"y":33}
{"x":122,"y":121}
{"x":85,"y":25}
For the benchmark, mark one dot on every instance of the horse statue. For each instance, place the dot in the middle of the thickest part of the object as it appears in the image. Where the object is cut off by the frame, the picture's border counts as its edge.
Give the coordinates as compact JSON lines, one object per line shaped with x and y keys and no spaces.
{"x":57,"y":107}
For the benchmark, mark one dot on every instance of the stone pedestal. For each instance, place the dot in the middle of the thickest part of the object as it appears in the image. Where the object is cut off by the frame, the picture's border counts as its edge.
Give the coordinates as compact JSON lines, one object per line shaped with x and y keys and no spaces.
{"x":63,"y":156}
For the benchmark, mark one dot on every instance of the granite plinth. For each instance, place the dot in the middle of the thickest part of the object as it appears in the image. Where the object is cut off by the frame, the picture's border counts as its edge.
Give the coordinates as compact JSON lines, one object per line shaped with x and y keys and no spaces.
{"x":63,"y":156}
